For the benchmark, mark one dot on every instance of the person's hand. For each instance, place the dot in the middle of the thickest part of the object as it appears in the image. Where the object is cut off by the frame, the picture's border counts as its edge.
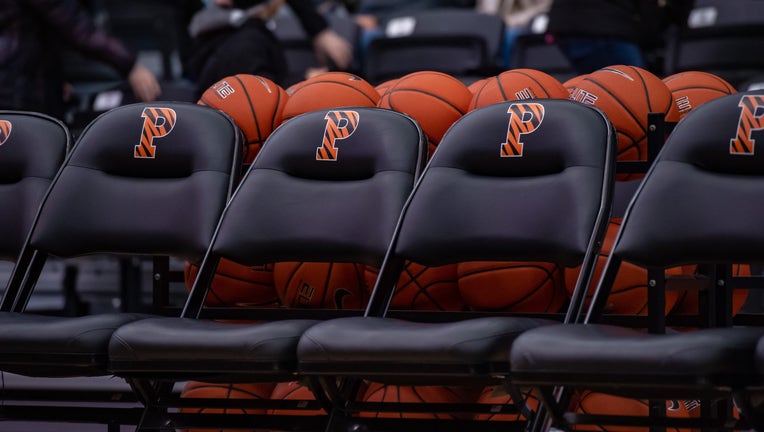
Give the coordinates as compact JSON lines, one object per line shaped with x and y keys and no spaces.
{"x":331,"y":46}
{"x":144,"y":84}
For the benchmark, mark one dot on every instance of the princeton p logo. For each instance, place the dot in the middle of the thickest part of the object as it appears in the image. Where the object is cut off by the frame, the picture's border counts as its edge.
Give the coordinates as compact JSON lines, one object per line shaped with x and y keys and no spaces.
{"x":524,"y":118}
{"x":339,"y":125}
{"x":751,"y":119}
{"x":157,"y":123}
{"x":5,"y":131}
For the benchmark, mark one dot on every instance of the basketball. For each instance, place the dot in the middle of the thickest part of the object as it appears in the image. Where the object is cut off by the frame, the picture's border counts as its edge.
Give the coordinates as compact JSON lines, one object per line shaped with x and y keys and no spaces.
{"x":496,"y":395}
{"x":512,"y":286}
{"x":628,"y":295}
{"x":688,"y":300}
{"x":382,"y":88}
{"x":320,"y":285}
{"x":329,"y":90}
{"x":377,"y":392}
{"x":626,"y":94}
{"x":196,"y":389}
{"x":423,"y":288}
{"x":694,"y":88}
{"x":518,"y":84}
{"x":601,"y":403}
{"x":293,"y":390}
{"x":571,"y":84}
{"x":236,"y":285}
{"x":434,"y":99}
{"x":255,"y":104}
{"x":478,"y":85}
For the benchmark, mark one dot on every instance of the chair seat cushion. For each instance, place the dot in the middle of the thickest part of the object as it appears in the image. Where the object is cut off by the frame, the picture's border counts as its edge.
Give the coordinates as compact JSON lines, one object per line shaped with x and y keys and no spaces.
{"x":601,"y":353}
{"x":189,"y":347}
{"x":384,"y":345}
{"x":48,"y":346}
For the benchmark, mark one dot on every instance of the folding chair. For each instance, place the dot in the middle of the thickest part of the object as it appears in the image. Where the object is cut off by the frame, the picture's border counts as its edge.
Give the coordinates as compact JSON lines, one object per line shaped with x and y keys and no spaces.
{"x":328,"y":186}
{"x":32,"y":148}
{"x":144,"y":179}
{"x":697,"y":204}
{"x":460,"y":42}
{"x":516,"y":181}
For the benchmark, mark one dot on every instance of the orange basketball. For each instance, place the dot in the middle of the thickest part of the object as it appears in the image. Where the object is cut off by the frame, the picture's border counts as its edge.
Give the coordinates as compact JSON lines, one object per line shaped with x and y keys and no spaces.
{"x":254,"y":103}
{"x":293,"y":390}
{"x":318,"y":284}
{"x":512,"y":286}
{"x":377,"y":392}
{"x":434,"y":99}
{"x":518,"y":84}
{"x":693,"y":88}
{"x":628,"y":295}
{"x":329,"y":90}
{"x":382,"y":88}
{"x":196,"y":389}
{"x":626,"y":94}
{"x":423,"y":288}
{"x":478,"y":85}
{"x":570,"y":85}
{"x":688,"y":300}
{"x":236,"y":285}
{"x":497,"y":396}
{"x":601,"y":403}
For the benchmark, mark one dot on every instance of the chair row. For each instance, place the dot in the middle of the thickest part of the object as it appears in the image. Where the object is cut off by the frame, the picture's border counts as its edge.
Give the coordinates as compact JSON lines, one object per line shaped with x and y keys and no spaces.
{"x":330,"y":186}
{"x":515,"y":181}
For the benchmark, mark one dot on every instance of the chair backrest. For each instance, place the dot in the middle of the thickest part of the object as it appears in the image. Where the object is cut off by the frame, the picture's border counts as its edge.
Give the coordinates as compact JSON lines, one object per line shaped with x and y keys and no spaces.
{"x":327,"y":186}
{"x":515,"y":181}
{"x":32,"y":148}
{"x":460,"y":42}
{"x":698,"y":202}
{"x":142,"y":179}
{"x":722,"y":37}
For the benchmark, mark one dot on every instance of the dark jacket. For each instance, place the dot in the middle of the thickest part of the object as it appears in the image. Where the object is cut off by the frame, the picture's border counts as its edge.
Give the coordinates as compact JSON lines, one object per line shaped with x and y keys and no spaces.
{"x":31,"y":35}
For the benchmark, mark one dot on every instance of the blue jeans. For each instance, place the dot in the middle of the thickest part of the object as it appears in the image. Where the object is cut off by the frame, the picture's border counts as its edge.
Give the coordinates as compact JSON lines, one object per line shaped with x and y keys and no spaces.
{"x":589,"y":54}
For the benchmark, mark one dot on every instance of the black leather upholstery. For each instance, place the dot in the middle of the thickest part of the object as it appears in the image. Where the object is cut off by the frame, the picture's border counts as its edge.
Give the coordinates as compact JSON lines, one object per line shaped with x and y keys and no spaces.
{"x":313,"y":209}
{"x":32,"y":148}
{"x":125,"y":207}
{"x":474,"y":204}
{"x":289,"y":207}
{"x":105,"y":199}
{"x":695,"y":188}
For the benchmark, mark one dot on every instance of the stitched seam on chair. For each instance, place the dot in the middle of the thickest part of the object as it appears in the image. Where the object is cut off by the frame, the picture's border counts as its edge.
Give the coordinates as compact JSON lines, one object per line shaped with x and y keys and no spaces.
{"x":77,"y":336}
{"x":261,"y":343}
{"x":127,"y":346}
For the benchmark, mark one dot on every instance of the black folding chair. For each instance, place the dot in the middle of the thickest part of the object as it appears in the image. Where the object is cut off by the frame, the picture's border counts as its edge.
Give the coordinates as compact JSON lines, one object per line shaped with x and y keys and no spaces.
{"x":697,"y":205}
{"x":525,"y":181}
{"x":144,"y":179}
{"x":328,"y":186}
{"x":460,"y":42}
{"x":32,"y":148}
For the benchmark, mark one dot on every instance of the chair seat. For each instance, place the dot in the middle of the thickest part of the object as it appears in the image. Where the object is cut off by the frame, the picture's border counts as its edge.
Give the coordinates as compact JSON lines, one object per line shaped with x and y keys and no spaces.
{"x":389,"y":346}
{"x":602,"y":354}
{"x":185,"y":347}
{"x":47,"y":346}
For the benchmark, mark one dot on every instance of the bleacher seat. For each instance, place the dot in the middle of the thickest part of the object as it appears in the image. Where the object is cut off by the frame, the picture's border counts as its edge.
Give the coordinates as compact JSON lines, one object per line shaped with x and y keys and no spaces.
{"x":294,"y":204}
{"x":460,"y":42}
{"x":143,"y":179}
{"x":697,"y":205}
{"x":509,"y":182}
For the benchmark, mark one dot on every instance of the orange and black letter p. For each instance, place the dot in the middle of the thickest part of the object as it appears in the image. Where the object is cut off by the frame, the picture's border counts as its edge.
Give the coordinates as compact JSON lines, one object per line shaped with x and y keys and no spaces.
{"x":524,"y":118}
{"x":339,"y":125}
{"x":5,"y":131}
{"x":751,"y":119}
{"x":157,"y":123}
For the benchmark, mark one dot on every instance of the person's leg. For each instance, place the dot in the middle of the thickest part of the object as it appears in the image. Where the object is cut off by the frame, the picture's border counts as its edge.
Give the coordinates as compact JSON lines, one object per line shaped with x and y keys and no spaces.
{"x":589,"y":54}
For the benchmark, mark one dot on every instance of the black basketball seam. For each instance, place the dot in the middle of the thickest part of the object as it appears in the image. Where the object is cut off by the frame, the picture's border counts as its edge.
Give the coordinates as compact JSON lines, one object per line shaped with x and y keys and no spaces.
{"x":617,"y":99}
{"x":534,"y":80}
{"x":251,"y":108}
{"x":342,"y":84}
{"x":415,"y":90}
